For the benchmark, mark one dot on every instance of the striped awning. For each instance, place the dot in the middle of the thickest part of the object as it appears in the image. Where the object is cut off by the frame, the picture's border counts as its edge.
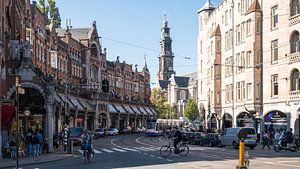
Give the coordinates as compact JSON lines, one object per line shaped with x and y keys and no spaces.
{"x":128,"y":109}
{"x":120,"y":108}
{"x":111,"y":108}
{"x":137,"y":111}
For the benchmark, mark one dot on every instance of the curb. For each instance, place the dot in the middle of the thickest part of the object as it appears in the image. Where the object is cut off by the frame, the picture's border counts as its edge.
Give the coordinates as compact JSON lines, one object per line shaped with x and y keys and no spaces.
{"x":39,"y":162}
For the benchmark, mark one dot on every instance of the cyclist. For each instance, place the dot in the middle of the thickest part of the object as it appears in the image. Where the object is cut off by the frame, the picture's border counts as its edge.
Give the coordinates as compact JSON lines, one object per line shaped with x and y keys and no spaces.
{"x":177,"y":138}
{"x":87,"y":143}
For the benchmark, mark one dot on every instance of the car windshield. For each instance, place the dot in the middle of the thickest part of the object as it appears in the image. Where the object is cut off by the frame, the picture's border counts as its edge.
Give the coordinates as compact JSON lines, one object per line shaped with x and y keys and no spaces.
{"x":111,"y":129}
{"x":99,"y":129}
{"x":76,"y":131}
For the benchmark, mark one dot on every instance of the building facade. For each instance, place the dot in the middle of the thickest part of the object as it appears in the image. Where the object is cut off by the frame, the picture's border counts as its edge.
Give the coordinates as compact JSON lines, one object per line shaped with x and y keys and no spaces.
{"x":66,"y":77}
{"x":256,"y":61}
{"x":229,"y":71}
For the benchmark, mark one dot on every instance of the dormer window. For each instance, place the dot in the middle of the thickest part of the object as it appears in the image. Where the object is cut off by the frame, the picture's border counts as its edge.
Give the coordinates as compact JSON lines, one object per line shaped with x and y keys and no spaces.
{"x":94,"y":50}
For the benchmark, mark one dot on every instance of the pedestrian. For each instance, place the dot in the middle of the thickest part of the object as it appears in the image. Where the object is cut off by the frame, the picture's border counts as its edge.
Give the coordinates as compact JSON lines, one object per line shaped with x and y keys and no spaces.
{"x":28,"y":141}
{"x":36,"y":144}
{"x":13,"y":147}
{"x":276,"y":137}
{"x":266,"y":140}
{"x":40,"y":137}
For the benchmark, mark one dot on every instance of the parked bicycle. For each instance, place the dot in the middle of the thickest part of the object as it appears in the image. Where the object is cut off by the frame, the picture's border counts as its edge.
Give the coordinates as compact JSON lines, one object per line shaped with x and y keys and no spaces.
{"x":166,"y":150}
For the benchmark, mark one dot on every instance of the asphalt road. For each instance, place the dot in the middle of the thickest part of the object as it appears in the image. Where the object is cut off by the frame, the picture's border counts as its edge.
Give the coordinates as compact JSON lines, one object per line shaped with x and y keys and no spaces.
{"x":139,"y":152}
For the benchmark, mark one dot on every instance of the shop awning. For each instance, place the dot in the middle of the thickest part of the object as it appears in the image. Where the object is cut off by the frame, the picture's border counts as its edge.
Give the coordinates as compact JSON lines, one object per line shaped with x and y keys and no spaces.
{"x":154,"y":112}
{"x":76,"y":103}
{"x":149,"y":111}
{"x":58,"y":99}
{"x":138,"y":112}
{"x":120,"y":108}
{"x":112,"y":109}
{"x":128,"y":109}
{"x":143,"y":110}
{"x":86,"y":105}
{"x":70,"y":104}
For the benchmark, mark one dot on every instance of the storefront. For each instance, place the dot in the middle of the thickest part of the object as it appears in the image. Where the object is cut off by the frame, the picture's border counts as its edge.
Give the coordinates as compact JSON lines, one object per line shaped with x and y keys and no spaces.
{"x":244,"y":119}
{"x":275,"y":120}
{"x":226,"y":121}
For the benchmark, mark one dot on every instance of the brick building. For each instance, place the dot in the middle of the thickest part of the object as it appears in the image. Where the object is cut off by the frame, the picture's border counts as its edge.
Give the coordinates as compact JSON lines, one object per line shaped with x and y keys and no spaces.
{"x":66,"y":77}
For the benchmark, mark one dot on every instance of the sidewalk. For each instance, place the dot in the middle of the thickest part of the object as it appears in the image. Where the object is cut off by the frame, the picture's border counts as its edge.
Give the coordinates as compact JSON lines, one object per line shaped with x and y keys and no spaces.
{"x":58,"y":154}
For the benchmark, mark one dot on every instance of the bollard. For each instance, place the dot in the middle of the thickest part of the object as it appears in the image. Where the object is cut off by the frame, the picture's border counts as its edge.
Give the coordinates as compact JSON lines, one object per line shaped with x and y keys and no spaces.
{"x":241,"y":155}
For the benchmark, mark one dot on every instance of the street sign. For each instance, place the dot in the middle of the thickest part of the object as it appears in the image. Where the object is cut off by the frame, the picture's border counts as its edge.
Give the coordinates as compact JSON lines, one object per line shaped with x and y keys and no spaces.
{"x":21,"y":90}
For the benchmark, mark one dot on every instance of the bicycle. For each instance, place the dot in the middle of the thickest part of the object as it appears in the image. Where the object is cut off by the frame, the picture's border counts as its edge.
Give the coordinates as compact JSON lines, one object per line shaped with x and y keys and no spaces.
{"x":166,"y":150}
{"x":87,"y":152}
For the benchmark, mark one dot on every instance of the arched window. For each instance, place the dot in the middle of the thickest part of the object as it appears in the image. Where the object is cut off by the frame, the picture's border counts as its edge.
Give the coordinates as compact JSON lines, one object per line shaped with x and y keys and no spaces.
{"x":94,"y":72}
{"x":93,"y":50}
{"x":294,"y":42}
{"x":294,"y":8}
{"x":295,"y":85}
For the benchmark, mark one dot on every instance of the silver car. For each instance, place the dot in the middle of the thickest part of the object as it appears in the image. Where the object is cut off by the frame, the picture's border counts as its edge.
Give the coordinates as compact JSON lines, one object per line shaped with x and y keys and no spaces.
{"x":112,"y":131}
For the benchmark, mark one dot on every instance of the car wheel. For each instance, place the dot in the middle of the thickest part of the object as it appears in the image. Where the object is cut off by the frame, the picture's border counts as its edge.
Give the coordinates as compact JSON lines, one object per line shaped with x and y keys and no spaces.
{"x":220,"y":144}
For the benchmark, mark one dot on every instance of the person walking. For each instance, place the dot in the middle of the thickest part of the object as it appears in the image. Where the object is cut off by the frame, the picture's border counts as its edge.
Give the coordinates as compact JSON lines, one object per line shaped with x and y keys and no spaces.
{"x":28,"y":141}
{"x":276,"y":137}
{"x":266,"y":140}
{"x":36,"y":144}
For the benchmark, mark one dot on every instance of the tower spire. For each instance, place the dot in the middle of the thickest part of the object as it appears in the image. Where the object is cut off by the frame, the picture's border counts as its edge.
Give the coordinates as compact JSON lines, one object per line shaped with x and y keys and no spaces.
{"x":145,"y":65}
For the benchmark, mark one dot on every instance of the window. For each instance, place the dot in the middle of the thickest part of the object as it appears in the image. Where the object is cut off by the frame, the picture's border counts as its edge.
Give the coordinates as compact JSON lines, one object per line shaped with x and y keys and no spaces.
{"x":257,"y":91}
{"x":248,"y":59}
{"x":295,"y":85}
{"x":226,"y":40}
{"x":238,"y":34}
{"x":249,"y":91}
{"x":230,"y":38}
{"x":243,"y":32}
{"x":274,"y":83}
{"x":294,"y":7}
{"x":243,"y":90}
{"x":294,"y":42}
{"x":258,"y":25}
{"x":226,"y":17}
{"x":274,"y":17}
{"x":274,"y":50}
{"x":242,"y":61}
{"x":248,"y":27}
{"x":93,"y":50}
{"x":238,"y":63}
{"x":182,"y":95}
{"x":201,"y":47}
{"x":201,"y":84}
{"x":230,"y":91}
{"x":238,"y":91}
{"x":226,"y":93}
{"x":201,"y":66}
{"x":212,"y":47}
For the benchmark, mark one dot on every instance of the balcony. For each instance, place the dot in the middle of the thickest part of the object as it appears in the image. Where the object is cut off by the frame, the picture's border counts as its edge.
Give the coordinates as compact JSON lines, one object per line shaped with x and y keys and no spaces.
{"x":294,"y":19}
{"x":295,"y":95}
{"x":294,"y":57}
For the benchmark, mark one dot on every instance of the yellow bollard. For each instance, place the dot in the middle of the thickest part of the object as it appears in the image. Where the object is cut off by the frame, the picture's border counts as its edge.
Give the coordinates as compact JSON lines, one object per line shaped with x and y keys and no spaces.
{"x":241,"y":155}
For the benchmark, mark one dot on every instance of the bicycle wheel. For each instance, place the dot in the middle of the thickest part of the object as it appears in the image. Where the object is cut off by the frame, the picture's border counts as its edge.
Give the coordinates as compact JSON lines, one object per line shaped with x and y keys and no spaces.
{"x":165,"y":151}
{"x":85,"y":157}
{"x":183,"y":150}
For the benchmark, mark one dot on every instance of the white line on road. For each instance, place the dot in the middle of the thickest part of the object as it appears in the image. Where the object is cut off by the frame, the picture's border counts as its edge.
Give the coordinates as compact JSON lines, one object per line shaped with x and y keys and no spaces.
{"x":107,"y":150}
{"x":112,"y":142}
{"x":145,"y":153}
{"x":160,"y":158}
{"x":130,"y":149}
{"x":151,"y":155}
{"x":137,"y":140}
{"x":80,"y":151}
{"x":286,"y":165}
{"x":169,"y":160}
{"x":120,"y":150}
{"x":97,"y":151}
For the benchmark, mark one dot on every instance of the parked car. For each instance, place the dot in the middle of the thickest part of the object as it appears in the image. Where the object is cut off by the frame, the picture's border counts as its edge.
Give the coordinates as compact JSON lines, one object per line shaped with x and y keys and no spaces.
{"x":210,"y":139}
{"x":76,"y":135}
{"x":100,"y":132}
{"x":195,"y":138}
{"x":112,"y":131}
{"x":229,"y":137}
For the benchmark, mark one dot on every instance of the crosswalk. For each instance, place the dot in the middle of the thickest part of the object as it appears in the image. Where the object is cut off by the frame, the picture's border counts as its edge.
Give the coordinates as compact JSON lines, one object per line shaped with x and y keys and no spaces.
{"x":122,"y":150}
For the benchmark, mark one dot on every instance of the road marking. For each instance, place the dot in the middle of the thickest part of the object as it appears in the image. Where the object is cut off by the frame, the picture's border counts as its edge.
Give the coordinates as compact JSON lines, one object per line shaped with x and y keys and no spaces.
{"x":137,"y":140}
{"x":117,"y":149}
{"x":160,"y":158}
{"x":130,"y":149}
{"x":145,"y":153}
{"x":151,"y":155}
{"x":286,"y":165}
{"x":107,"y":150}
{"x":97,"y":151}
{"x":112,"y":142}
{"x":169,"y":160}
{"x":149,"y":148}
{"x":80,"y":151}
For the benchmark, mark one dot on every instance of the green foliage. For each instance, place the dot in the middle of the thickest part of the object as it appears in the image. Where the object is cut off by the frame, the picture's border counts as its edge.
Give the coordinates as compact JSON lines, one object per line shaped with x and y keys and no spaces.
{"x":160,"y":102}
{"x":191,"y":111}
{"x":52,"y":10}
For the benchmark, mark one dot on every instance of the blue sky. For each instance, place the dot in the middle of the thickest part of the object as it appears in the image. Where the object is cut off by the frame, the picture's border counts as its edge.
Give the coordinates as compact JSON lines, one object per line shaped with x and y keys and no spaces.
{"x":131,"y":28}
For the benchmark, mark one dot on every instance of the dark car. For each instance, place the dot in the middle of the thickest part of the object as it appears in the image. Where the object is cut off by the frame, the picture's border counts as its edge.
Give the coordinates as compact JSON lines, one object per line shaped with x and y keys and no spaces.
{"x":210,"y":139}
{"x":195,"y":138}
{"x":76,"y":134}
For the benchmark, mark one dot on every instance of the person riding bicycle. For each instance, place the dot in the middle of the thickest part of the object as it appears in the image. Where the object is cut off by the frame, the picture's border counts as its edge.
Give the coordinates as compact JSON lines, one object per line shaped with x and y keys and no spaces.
{"x":177,"y":138}
{"x":87,"y":143}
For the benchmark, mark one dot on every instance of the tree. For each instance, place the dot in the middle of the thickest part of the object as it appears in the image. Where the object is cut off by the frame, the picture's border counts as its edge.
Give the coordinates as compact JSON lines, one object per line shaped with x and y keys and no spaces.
{"x":52,"y":10}
{"x":191,"y":110}
{"x":160,"y":102}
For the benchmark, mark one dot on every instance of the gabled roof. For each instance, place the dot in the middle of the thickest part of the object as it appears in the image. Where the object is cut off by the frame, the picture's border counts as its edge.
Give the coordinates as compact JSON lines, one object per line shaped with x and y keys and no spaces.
{"x":192,"y":76}
{"x":182,"y":81}
{"x":163,"y":84}
{"x":77,"y":33}
{"x":255,"y":7}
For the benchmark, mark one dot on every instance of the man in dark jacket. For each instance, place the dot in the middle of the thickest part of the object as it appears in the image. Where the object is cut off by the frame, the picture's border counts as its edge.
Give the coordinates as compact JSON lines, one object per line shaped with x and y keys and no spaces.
{"x":177,"y":138}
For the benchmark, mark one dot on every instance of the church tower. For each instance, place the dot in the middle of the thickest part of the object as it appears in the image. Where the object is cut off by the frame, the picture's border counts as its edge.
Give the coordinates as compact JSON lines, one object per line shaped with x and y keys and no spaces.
{"x":166,"y":68}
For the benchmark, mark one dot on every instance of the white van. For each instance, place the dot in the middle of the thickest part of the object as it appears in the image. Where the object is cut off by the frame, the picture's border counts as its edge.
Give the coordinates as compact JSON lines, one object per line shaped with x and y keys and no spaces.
{"x":229,"y":137}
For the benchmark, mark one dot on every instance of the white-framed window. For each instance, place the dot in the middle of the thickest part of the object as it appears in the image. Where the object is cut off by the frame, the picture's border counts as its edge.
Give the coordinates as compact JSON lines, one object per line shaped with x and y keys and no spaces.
{"x":226,"y":93}
{"x":248,"y":27}
{"x":230,"y":92}
{"x":249,"y":90}
{"x":201,"y":47}
{"x":201,"y":87}
{"x":238,"y":91}
{"x":238,"y":63}
{"x":242,"y":61}
{"x":238,"y":34}
{"x":248,"y":59}
{"x":274,"y":82}
{"x":243,"y":90}
{"x":243,"y":32}
{"x":226,"y":40}
{"x":294,"y":8}
{"x":274,"y":50}
{"x":274,"y":17}
{"x":226,"y":17}
{"x":212,"y":47}
{"x":295,"y":85}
